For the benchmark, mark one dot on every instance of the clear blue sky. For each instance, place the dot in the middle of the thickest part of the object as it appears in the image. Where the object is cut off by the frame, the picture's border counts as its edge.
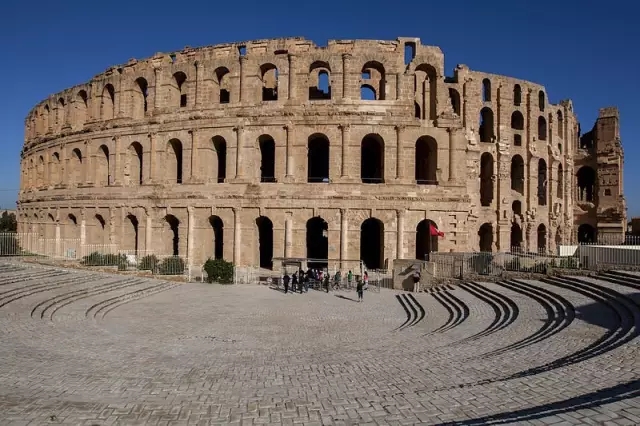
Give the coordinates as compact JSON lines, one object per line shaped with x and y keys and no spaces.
{"x":583,"y":50}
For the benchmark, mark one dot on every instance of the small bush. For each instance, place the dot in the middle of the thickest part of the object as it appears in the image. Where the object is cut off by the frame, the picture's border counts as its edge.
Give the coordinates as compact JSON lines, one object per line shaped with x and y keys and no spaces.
{"x":93,"y":259}
{"x":99,"y":259}
{"x":569,"y":263}
{"x":219,"y":271}
{"x":172,"y":266}
{"x":149,"y":263}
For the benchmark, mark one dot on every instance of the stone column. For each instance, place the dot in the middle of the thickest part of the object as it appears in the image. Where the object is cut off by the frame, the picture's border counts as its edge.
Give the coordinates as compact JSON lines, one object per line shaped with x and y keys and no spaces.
{"x":453,"y":170}
{"x":156,"y":89}
{"x":239,"y":140}
{"x":292,"y":79}
{"x":400,"y":214}
{"x":149,"y":176}
{"x":194,"y":156}
{"x":197,"y":94}
{"x":190,"y":222}
{"x":83,"y":236}
{"x":344,"y":169}
{"x":346,"y":66}
{"x":243,"y":79}
{"x":344,"y":239}
{"x":289,"y":177}
{"x":236,"y":236}
{"x":288,"y":235}
{"x":399,"y":169}
{"x":116,"y":175}
{"x":58,"y":239}
{"x":147,"y":233}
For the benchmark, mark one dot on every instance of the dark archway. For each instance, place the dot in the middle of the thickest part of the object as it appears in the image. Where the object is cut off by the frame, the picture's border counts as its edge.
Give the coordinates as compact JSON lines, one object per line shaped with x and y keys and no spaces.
{"x":542,"y":239}
{"x":265,"y":241}
{"x":542,"y":182}
{"x":586,"y":233}
{"x":425,"y":242}
{"x":134,"y":227}
{"x":267,"y":158}
{"x":586,"y":178}
{"x":426,"y":161}
{"x":517,"y":174}
{"x":517,"y":120}
{"x":516,"y":238}
{"x":174,"y":226}
{"x":559,"y":188}
{"x":486,"y":125}
{"x":218,"y":236}
{"x":317,"y":242}
{"x":485,"y":235}
{"x":372,"y":243}
{"x":318,"y":159}
{"x":516,"y":207}
{"x":175,"y":158}
{"x":486,"y":179}
{"x":220,"y":147}
{"x":372,"y":159}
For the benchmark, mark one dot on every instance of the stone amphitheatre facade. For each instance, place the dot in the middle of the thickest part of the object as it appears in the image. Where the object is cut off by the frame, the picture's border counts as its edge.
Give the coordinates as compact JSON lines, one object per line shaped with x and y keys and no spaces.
{"x":280,"y":148}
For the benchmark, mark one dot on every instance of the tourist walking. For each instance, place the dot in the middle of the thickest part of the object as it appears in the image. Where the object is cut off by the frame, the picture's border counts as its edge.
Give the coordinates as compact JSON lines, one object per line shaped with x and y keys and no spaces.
{"x":360,"y":290}
{"x":285,"y":281}
{"x":294,"y":282}
{"x":416,"y":281}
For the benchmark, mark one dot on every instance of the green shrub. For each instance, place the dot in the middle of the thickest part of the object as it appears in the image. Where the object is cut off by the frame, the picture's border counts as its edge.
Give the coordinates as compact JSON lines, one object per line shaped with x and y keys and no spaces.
{"x":569,"y":263}
{"x":93,"y":259}
{"x":114,"y":260}
{"x":99,"y":259}
{"x":149,"y":263}
{"x":219,"y":271}
{"x":172,"y":266}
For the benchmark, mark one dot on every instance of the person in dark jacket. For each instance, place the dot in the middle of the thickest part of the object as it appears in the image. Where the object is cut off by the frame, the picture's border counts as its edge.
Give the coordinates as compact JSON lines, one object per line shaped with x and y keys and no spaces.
{"x":294,"y":282}
{"x":285,"y":281}
{"x":360,"y":290}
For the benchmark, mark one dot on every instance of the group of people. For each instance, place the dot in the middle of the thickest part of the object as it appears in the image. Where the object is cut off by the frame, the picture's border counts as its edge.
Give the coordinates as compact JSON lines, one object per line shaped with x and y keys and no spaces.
{"x":299,"y":281}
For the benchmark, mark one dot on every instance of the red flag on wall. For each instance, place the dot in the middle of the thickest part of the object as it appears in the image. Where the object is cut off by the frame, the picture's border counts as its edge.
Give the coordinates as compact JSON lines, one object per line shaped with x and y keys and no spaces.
{"x":434,"y":231}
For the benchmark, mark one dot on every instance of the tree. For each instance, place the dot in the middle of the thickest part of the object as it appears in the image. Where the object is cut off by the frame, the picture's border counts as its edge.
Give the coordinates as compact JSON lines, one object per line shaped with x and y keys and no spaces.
{"x":8,"y":222}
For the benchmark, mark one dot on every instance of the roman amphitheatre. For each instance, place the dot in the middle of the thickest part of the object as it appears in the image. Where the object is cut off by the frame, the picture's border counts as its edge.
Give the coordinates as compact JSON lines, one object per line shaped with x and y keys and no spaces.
{"x":273,"y":149}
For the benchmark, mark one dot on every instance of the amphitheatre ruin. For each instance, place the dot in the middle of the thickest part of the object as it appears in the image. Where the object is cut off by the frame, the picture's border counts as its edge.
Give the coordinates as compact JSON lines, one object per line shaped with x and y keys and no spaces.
{"x":281,"y":148}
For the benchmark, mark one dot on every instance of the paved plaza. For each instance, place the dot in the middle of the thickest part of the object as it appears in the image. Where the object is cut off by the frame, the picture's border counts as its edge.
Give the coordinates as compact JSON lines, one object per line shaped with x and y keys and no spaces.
{"x":90,"y":348}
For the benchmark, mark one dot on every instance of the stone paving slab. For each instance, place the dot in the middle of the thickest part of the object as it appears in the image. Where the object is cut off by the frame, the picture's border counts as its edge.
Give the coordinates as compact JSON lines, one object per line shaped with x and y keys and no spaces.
{"x":166,"y":353}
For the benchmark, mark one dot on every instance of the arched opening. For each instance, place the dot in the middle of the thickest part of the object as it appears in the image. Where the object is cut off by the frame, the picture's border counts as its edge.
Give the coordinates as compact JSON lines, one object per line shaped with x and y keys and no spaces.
{"x":318,"y":158}
{"x":560,"y":191}
{"x":516,"y":237}
{"x":426,"y":161}
{"x":486,"y":90}
{"x":426,"y":83}
{"x":179,"y":89}
{"x":102,"y":166}
{"x":265,"y":242}
{"x":485,"y":235}
{"x":100,"y":234}
{"x":218,"y":236}
{"x":586,"y":234}
{"x":72,"y":231}
{"x":221,"y":75}
{"x":373,"y":77}
{"x":516,"y":207}
{"x":541,"y":100}
{"x":55,"y":169}
{"x":76,"y":166}
{"x":60,"y":114}
{"x":81,"y":107}
{"x":417,"y":112}
{"x":542,"y":128}
{"x":517,"y":120}
{"x":542,"y":238}
{"x":134,"y":164}
{"x":517,"y":95}
{"x":317,"y":242}
{"x":174,"y":161}
{"x":220,"y":148}
{"x":267,"y":158}
{"x":269,"y":77}
{"x":319,"y":81}
{"x":173,"y":224}
{"x":426,"y":243}
{"x":372,"y":159}
{"x":108,"y":102}
{"x":486,"y":179}
{"x":560,"y":125}
{"x":454,"y":98}
{"x":40,"y":180}
{"x":486,"y":125}
{"x":517,"y":174}
{"x":586,"y":180}
{"x":542,"y":182}
{"x":130,"y":236}
{"x":372,"y":243}
{"x":140,"y":93}
{"x":367,"y":93}
{"x":409,"y":52}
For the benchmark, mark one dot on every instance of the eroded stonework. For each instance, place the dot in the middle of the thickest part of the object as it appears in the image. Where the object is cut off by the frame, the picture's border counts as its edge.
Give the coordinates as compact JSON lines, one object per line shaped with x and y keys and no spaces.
{"x":281,"y":148}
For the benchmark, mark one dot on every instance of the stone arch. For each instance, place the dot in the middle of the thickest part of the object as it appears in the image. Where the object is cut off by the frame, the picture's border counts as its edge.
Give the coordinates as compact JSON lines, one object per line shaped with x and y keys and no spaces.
{"x":372,"y":243}
{"x":454,"y":98}
{"x":40,"y":178}
{"x":46,"y":116}
{"x":560,"y":187}
{"x":174,"y":166}
{"x":542,"y":182}
{"x":222,"y":81}
{"x":426,"y":243}
{"x":373,"y":76}
{"x":318,"y":158}
{"x":486,"y":179}
{"x":516,"y":237}
{"x":177,"y":90}
{"x":140,"y":93}
{"x":517,"y":95}
{"x":426,"y":161}
{"x":486,"y":90}
{"x":267,"y":158}
{"x":319,"y":81}
{"x":317,"y":242}
{"x":217,"y":232}
{"x":372,"y":159}
{"x":541,"y":100}
{"x":60,"y":113}
{"x":71,"y":229}
{"x":220,"y":150}
{"x":108,"y":103}
{"x":426,"y":84}
{"x":542,"y":128}
{"x":55,"y":169}
{"x":542,"y":238}
{"x":269,"y":75}
{"x":134,"y":164}
{"x":81,"y":108}
{"x":171,"y":235}
{"x":486,"y":125}
{"x":586,"y":234}
{"x":485,"y":237}
{"x":586,"y":179}
{"x":130,"y":234}
{"x":560,"y":125}
{"x":76,"y":166}
{"x":517,"y":120}
{"x":102,"y":166}
{"x":265,"y":242}
{"x":516,"y":207}
{"x":99,"y":233}
{"x":517,"y":174}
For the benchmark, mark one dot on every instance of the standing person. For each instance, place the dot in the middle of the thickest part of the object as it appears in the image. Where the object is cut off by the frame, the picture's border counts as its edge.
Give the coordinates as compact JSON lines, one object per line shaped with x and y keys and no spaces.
{"x":336,"y":279}
{"x":285,"y":281}
{"x":365,"y":278}
{"x":326,"y":283}
{"x":416,"y":281}
{"x":350,"y":278}
{"x":360,"y":290}
{"x":294,"y":282}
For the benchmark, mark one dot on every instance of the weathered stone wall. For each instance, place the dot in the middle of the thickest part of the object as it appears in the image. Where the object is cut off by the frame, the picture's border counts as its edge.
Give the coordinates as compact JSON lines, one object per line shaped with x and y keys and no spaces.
{"x":210,"y":151}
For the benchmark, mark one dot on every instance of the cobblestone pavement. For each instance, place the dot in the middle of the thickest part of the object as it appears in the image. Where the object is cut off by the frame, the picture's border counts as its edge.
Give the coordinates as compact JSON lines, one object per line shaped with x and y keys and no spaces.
{"x":90,"y":348}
